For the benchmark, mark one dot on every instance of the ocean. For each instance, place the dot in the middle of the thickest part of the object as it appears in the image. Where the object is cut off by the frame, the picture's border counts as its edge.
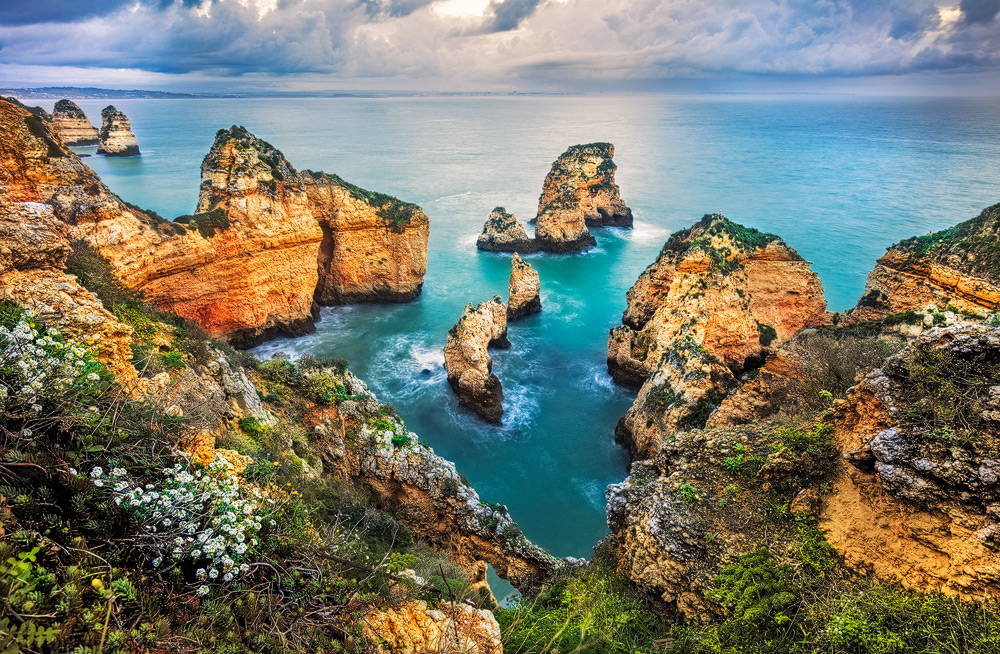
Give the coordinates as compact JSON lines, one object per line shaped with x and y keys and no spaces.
{"x":839,"y":178}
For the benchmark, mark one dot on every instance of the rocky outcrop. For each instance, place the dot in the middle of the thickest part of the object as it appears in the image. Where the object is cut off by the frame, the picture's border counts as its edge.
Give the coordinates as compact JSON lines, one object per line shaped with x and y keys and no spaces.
{"x":503,"y":233}
{"x":423,"y":490}
{"x":72,"y":125}
{"x":579,"y":190}
{"x":468,"y":363}
{"x":523,"y":290}
{"x":959,"y":267}
{"x":698,"y":505}
{"x":917,"y":499}
{"x":413,"y":628}
{"x":247,"y":264}
{"x":718,"y":300}
{"x":374,"y":246}
{"x":116,"y":138}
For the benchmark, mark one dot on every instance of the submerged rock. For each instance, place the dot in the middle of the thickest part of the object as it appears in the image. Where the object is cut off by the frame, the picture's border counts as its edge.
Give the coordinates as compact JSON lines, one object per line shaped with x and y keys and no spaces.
{"x":503,"y":233}
{"x":523,"y":290}
{"x":579,"y":190}
{"x":958,"y":267}
{"x":718,"y":300}
{"x":467,"y":362}
{"x":72,"y":125}
{"x":116,"y":138}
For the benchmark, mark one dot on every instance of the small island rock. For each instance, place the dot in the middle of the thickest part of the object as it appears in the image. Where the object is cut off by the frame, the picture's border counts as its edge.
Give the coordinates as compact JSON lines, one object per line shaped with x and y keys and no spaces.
{"x":468,"y":363}
{"x":523,"y":290}
{"x":72,"y":125}
{"x":116,"y":137}
{"x":503,"y":233}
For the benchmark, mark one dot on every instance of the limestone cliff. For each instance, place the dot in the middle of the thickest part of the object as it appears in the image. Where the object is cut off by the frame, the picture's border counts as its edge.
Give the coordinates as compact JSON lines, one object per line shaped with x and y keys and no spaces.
{"x":958,"y":266}
{"x":503,"y":233}
{"x":718,"y":299}
{"x":116,"y":138}
{"x":416,"y":629}
{"x":579,"y":190}
{"x":468,"y":363}
{"x":247,"y":264}
{"x":422,"y":489}
{"x":374,"y":246}
{"x":72,"y":125}
{"x":523,"y":290}
{"x":917,"y":499}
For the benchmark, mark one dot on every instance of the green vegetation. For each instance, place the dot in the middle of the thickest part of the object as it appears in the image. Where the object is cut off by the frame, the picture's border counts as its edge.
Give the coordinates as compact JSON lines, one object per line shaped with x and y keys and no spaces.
{"x":206,"y":223}
{"x":975,"y":243}
{"x":590,"y":609}
{"x":394,"y":211}
{"x":767,"y":333}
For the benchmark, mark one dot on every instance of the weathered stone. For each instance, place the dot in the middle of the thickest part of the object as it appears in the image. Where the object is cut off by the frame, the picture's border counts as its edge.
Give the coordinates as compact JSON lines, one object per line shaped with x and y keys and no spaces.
{"x":523,"y":290}
{"x":468,"y":363}
{"x":116,"y":138}
{"x":503,"y":233}
{"x":72,"y":125}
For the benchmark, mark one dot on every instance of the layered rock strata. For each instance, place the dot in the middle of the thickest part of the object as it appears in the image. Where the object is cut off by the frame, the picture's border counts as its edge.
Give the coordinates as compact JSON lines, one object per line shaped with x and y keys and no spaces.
{"x":959,"y":266}
{"x":718,"y":300}
{"x":917,"y":499}
{"x":116,"y":138}
{"x":374,"y":246}
{"x":423,"y":490}
{"x":468,"y":363}
{"x":579,"y":190}
{"x":254,"y":258}
{"x":503,"y":233}
{"x":523,"y":289}
{"x":72,"y":125}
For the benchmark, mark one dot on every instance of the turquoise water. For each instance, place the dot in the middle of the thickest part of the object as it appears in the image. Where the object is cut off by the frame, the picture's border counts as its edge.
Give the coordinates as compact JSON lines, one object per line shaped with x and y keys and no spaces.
{"x":839,"y":178}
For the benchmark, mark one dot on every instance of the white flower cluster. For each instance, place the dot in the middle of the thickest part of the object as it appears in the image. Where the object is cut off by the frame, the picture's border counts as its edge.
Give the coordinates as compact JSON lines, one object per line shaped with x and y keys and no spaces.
{"x":205,"y":516}
{"x":34,"y":366}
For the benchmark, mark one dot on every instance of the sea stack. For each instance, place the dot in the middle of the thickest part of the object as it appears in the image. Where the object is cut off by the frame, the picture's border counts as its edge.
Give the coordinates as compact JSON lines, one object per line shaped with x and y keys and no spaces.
{"x":467,"y":362}
{"x":718,"y":300}
{"x":579,"y":190}
{"x":502,"y":232}
{"x":116,"y":137}
{"x":523,"y":293}
{"x":72,"y":125}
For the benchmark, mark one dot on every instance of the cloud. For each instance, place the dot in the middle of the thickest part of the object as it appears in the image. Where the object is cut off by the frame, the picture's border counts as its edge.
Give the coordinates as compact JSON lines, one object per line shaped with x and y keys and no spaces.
{"x":514,"y":42}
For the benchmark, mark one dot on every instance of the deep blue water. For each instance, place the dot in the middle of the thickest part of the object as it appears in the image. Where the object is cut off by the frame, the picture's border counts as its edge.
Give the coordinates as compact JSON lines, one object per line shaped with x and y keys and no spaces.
{"x":840,"y":178}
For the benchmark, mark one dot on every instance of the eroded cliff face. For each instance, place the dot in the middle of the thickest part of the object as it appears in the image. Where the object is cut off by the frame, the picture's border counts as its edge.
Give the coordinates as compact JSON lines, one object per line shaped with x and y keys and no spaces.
{"x":579,"y":190}
{"x":522,"y":290}
{"x":503,"y":233}
{"x":72,"y":125}
{"x":718,"y":300}
{"x":247,"y":264}
{"x":917,"y":498}
{"x":958,"y":266}
{"x":424,"y":490}
{"x":374,"y":246}
{"x":468,"y":363}
{"x":416,"y":629}
{"x":116,"y":138}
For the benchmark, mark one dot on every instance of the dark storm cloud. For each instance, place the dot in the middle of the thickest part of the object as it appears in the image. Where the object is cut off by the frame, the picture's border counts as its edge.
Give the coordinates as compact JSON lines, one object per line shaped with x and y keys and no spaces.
{"x":508,"y":14}
{"x":979,"y":11}
{"x":18,"y":12}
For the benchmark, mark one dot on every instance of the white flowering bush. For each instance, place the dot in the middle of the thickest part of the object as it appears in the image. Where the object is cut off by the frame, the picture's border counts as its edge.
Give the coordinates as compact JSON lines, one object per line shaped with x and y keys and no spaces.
{"x":38,"y":368}
{"x":204,"y":517}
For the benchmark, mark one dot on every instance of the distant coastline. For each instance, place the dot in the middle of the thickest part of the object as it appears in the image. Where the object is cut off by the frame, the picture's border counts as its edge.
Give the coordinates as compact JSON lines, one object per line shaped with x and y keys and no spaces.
{"x":94,"y":93}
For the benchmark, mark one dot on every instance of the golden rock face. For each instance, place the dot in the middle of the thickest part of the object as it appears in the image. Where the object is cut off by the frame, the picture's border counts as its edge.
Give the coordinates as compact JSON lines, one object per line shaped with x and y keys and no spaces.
{"x":264,"y":246}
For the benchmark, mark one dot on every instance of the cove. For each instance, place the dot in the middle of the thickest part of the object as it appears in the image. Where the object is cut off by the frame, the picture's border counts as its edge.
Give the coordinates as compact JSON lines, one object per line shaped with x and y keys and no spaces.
{"x":838,"y":178}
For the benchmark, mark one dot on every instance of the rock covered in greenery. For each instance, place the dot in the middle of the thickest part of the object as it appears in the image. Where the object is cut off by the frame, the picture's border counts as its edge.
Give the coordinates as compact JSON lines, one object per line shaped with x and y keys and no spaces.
{"x":502,"y":232}
{"x":718,"y":299}
{"x":72,"y":125}
{"x":918,"y":498}
{"x":468,"y":363}
{"x":708,"y":498}
{"x":523,"y":289}
{"x":116,"y":138}
{"x":579,"y":190}
{"x":957,"y":267}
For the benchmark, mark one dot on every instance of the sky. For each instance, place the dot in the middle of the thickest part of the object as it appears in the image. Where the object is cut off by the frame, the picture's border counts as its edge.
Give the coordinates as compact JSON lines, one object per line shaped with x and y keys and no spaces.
{"x":862,"y":46}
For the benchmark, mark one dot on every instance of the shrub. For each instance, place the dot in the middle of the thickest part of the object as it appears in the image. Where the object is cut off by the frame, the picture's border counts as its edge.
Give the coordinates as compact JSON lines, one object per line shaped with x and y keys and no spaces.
{"x":173,"y":360}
